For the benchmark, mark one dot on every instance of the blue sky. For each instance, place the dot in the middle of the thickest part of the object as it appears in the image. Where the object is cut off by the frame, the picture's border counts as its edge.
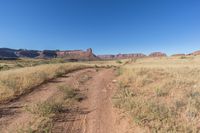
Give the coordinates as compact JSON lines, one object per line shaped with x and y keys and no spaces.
{"x":107,"y":26}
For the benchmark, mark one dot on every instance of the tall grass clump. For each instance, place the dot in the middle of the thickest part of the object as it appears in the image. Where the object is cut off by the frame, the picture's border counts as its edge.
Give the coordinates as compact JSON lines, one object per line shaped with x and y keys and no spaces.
{"x":58,"y":105}
{"x":19,"y":81}
{"x":161,"y":95}
{"x":71,"y":93}
{"x":46,"y":109}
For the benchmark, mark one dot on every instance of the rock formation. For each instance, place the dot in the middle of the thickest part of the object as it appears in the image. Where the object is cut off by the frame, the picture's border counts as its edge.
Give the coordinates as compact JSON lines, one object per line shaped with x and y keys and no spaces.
{"x":27,"y":53}
{"x":6,"y":53}
{"x":77,"y":54}
{"x":195,"y":53}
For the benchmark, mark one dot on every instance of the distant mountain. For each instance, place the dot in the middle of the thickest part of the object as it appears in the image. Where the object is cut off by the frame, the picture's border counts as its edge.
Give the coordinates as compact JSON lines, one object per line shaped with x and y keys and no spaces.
{"x":195,"y":53}
{"x":157,"y":54}
{"x":75,"y":55}
{"x":132,"y":55}
{"x":6,"y":53}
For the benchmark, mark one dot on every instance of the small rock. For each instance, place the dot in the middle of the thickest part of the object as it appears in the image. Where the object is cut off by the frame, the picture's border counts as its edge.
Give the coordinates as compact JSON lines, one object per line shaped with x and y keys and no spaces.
{"x":114,"y":81}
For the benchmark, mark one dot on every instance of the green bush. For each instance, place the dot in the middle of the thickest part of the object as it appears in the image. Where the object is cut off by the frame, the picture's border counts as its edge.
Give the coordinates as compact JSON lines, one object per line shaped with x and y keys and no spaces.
{"x":119,"y":62}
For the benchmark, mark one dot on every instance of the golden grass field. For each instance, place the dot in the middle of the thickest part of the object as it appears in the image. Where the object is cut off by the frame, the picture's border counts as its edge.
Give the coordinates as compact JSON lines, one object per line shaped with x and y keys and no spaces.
{"x":26,"y":62}
{"x":158,"y":94}
{"x":161,"y":94}
{"x":18,"y":81}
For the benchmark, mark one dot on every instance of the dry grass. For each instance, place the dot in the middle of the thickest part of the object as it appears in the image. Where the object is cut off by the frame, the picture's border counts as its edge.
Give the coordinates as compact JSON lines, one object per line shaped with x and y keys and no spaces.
{"x":46,"y":109}
{"x":19,"y":81}
{"x":26,"y":62}
{"x":162,"y":94}
{"x":71,"y":93}
{"x":64,"y":100}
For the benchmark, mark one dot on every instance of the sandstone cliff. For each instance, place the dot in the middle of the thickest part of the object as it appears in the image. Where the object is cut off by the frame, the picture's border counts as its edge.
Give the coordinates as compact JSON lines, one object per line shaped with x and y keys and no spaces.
{"x":195,"y":53}
{"x":6,"y":53}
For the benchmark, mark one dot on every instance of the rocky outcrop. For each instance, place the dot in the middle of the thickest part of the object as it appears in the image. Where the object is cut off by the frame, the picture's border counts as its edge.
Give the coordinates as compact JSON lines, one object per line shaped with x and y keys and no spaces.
{"x":195,"y":53}
{"x":157,"y":54}
{"x":49,"y":54}
{"x":136,"y":55}
{"x":27,"y":53}
{"x":77,"y":54}
{"x":67,"y":54}
{"x":7,"y":53}
{"x":122,"y":56}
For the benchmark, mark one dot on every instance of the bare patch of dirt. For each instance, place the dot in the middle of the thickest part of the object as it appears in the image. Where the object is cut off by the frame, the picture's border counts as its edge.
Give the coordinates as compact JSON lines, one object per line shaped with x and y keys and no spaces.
{"x":93,"y":114}
{"x":13,"y":116}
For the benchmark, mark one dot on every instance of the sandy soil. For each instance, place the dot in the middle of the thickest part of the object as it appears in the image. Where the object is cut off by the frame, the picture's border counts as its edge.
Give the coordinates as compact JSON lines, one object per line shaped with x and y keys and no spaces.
{"x":95,"y":114}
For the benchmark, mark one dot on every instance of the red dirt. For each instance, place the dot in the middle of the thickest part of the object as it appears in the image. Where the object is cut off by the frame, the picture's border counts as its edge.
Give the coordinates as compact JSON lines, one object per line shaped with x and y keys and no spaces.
{"x":93,"y":115}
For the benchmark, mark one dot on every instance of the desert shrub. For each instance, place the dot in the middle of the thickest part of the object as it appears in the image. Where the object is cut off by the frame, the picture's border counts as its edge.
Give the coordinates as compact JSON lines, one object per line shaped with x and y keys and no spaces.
{"x":160,"y":96}
{"x":96,"y":66}
{"x":22,"y":80}
{"x":119,"y":62}
{"x":183,"y":57}
{"x":68,"y":91}
{"x":161,"y":92}
{"x":123,"y":98}
{"x":179,"y":104}
{"x":118,"y":71}
{"x":4,"y":67}
{"x":71,"y":93}
{"x":84,"y":78}
{"x":157,"y":116}
{"x":11,"y":83}
{"x":44,"y":127}
{"x":80,"y":97}
{"x":134,"y":60}
{"x":19,"y":65}
{"x":60,"y":71}
{"x":46,"y":109}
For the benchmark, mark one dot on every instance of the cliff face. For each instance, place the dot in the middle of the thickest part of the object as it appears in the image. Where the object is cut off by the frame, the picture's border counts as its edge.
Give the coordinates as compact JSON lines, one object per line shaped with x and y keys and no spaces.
{"x":27,"y":53}
{"x":77,"y":54}
{"x":133,"y":55}
{"x":68,"y":54}
{"x":7,"y":53}
{"x":195,"y":53}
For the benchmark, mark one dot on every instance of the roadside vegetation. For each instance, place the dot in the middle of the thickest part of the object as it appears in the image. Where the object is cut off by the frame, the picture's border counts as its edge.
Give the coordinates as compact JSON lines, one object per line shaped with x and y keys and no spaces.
{"x":45,"y":112}
{"x":16,"y":82}
{"x":21,"y":63}
{"x":27,"y":62}
{"x":161,"y":94}
{"x":21,"y":76}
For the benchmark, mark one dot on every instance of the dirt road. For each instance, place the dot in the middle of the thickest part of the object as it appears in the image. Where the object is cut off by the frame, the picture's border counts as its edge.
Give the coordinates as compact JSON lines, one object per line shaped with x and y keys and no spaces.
{"x":93,"y":115}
